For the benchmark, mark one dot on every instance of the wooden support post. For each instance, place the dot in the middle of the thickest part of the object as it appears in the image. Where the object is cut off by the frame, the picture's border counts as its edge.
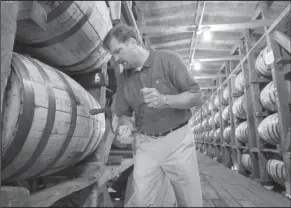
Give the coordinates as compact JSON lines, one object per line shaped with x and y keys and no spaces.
{"x":220,"y":109}
{"x":102,"y":152}
{"x":249,"y":113}
{"x":282,"y":93}
{"x":9,"y":12}
{"x":258,"y":160}
{"x":236,"y":152}
{"x":227,"y":148}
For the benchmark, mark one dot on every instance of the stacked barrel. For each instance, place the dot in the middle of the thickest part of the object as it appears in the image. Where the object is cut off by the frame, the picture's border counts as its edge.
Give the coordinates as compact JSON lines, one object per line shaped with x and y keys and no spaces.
{"x":239,"y":110}
{"x":208,"y":124}
{"x":269,"y":129}
{"x":47,"y":125}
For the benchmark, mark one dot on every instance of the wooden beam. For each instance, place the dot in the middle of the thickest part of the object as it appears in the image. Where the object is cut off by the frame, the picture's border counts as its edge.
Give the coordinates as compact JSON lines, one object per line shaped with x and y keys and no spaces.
{"x":212,"y":27}
{"x":32,"y":12}
{"x":216,"y":44}
{"x":207,"y":76}
{"x":9,"y":11}
{"x":203,"y":53}
{"x":126,"y":10}
{"x":47,"y":197}
{"x":208,"y":87}
{"x":156,"y":39}
{"x":225,"y":58}
{"x":282,"y":39}
{"x":115,"y":11}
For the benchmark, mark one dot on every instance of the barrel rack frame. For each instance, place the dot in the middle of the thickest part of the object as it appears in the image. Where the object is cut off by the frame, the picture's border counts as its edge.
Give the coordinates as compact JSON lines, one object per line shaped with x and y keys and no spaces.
{"x":88,"y":178}
{"x":274,"y":39}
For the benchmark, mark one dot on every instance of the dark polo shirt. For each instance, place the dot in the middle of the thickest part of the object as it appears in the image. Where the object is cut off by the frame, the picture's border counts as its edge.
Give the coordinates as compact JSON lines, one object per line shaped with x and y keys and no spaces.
{"x":165,"y":71}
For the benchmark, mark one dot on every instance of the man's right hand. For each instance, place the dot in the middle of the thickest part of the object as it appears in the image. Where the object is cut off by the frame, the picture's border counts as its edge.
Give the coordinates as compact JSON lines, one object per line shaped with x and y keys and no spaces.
{"x":125,"y":134}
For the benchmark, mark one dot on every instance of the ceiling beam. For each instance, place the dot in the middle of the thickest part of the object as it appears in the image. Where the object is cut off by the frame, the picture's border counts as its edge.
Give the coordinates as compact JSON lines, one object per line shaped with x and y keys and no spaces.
{"x":212,"y":27}
{"x":224,"y":58}
{"x":181,"y":43}
{"x":217,"y":36}
{"x":203,"y":53}
{"x":207,"y":77}
{"x":282,"y":39}
{"x":199,"y":46}
{"x":126,"y":9}
{"x":208,"y":87}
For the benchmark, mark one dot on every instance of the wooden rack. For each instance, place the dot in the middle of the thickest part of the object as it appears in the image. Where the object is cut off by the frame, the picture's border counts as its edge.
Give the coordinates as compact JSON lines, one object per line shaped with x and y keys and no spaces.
{"x":259,"y":151}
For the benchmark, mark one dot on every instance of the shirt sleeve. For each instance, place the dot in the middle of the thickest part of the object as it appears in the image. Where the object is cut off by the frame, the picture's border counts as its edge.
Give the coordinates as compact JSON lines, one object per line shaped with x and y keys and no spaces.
{"x":121,"y":106}
{"x":180,"y":75}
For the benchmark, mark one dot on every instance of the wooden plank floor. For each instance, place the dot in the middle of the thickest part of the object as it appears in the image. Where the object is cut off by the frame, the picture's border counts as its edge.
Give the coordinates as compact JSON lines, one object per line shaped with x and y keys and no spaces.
{"x":222,"y":187}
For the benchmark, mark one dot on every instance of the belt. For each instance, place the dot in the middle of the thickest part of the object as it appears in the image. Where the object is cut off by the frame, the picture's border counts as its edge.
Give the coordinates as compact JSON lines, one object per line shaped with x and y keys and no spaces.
{"x":167,"y":132}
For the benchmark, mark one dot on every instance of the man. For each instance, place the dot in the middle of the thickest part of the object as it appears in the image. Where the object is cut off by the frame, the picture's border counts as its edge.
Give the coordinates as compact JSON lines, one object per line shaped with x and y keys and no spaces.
{"x":160,"y":90}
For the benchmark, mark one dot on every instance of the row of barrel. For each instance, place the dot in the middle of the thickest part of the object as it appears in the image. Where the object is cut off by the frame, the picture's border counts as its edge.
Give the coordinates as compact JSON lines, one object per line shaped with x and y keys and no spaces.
{"x":46,"y":121}
{"x":268,"y":129}
{"x":206,"y":123}
{"x":275,"y":168}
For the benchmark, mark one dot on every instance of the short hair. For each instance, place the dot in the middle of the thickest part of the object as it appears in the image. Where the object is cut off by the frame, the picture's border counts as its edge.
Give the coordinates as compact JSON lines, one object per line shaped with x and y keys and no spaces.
{"x":122,"y":33}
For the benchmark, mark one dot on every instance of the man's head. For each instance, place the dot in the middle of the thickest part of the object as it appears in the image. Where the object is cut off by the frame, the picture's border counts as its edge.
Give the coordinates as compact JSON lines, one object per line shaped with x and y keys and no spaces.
{"x":123,"y":44}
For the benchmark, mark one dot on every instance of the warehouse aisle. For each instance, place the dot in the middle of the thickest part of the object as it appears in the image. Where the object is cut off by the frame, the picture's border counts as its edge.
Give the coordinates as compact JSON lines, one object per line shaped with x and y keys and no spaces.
{"x":222,"y":187}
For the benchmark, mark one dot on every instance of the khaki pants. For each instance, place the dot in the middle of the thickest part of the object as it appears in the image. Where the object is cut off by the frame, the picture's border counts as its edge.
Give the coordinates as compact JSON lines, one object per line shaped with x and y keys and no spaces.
{"x":172,"y":157}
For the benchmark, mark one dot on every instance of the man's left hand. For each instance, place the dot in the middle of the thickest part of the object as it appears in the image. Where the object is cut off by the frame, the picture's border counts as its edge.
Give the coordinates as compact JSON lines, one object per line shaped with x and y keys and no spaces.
{"x":153,"y":97}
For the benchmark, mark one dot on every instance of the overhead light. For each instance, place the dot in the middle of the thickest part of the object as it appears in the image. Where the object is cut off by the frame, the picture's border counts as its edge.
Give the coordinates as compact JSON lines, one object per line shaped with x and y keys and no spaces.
{"x":207,"y":35}
{"x":197,"y":66}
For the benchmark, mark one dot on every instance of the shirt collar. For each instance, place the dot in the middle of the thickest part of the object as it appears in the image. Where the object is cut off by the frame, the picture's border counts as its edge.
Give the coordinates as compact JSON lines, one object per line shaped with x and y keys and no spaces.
{"x":150,"y":59}
{"x":147,"y":64}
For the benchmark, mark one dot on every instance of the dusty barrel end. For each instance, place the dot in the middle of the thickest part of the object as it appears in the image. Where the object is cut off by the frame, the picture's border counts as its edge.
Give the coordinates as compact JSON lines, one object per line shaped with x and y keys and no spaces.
{"x":246,"y":162}
{"x":239,"y":107}
{"x":262,"y":68}
{"x":276,"y":170}
{"x":269,"y":130}
{"x":241,"y":132}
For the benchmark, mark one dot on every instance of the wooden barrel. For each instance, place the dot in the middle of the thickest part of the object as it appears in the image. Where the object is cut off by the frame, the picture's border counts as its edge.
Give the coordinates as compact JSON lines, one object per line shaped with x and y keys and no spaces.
{"x":246,"y":162}
{"x":276,"y":170}
{"x":207,"y":136}
{"x":269,"y":129}
{"x":239,"y":82}
{"x":47,"y":126}
{"x":262,"y":68}
{"x":239,"y":107}
{"x":225,"y":114}
{"x":216,"y":102}
{"x":211,"y":135}
{"x":217,"y":137}
{"x":227,"y":134}
{"x":211,"y":120}
{"x":268,"y":97}
{"x":217,"y":118}
{"x":212,"y":107}
{"x":204,"y":124}
{"x":241,"y":132}
{"x":225,"y":96}
{"x":72,"y":41}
